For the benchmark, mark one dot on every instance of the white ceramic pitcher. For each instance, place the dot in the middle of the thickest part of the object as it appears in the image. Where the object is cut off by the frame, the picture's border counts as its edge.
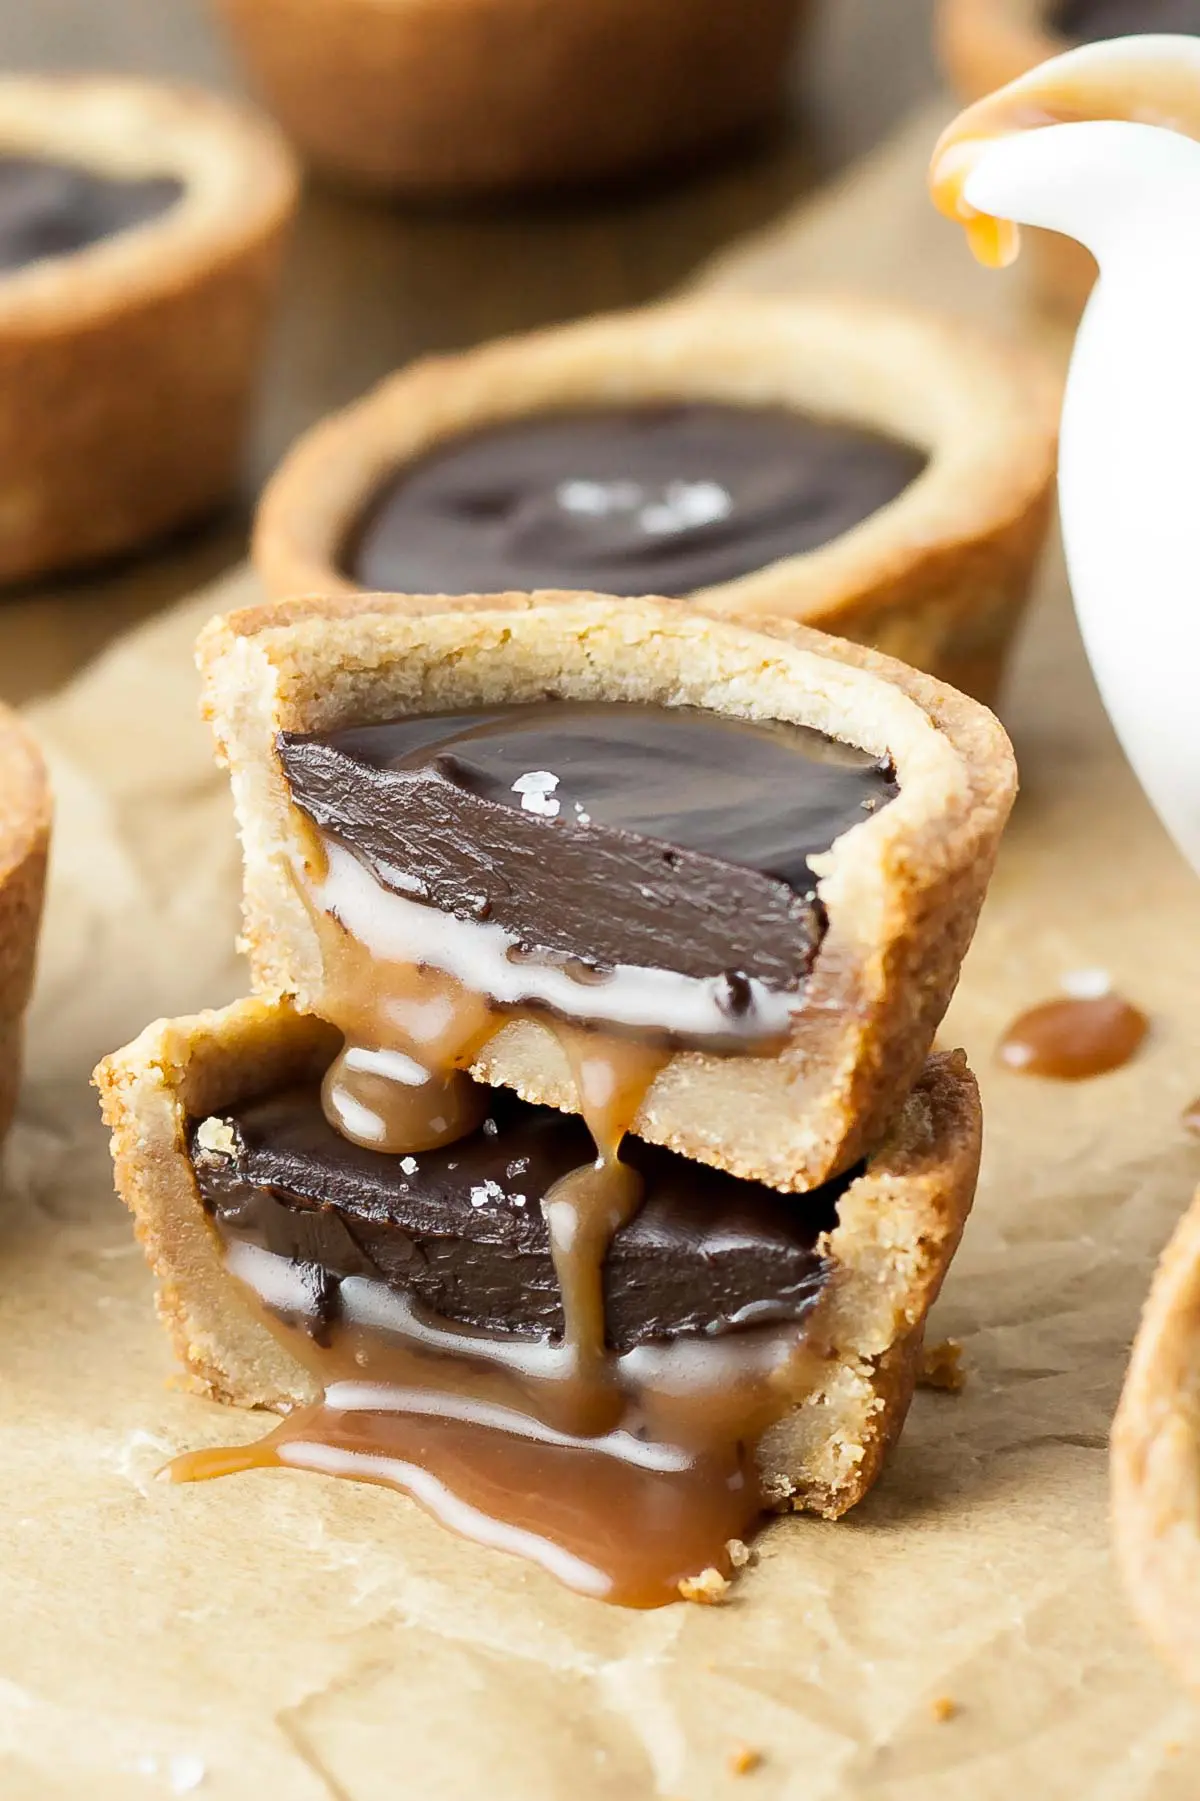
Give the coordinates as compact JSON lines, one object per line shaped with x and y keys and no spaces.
{"x":1129,"y":465}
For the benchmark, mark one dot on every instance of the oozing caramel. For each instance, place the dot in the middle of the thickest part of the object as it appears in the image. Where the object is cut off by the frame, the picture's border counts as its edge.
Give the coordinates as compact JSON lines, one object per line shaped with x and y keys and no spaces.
{"x":399,"y":1085}
{"x":500,"y":1438}
{"x":1114,"y":81}
{"x":1070,"y":1039}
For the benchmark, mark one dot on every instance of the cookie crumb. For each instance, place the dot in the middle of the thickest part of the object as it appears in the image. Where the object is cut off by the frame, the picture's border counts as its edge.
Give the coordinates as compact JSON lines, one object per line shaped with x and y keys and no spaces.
{"x":941,"y":1367}
{"x":708,"y":1589}
{"x":944,"y":1708}
{"x":216,"y":1136}
{"x":744,"y":1760}
{"x":739,"y":1552}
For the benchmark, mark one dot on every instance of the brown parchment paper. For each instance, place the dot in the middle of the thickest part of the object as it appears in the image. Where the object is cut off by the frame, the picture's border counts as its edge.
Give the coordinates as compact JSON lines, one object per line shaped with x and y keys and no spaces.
{"x":287,"y":1636}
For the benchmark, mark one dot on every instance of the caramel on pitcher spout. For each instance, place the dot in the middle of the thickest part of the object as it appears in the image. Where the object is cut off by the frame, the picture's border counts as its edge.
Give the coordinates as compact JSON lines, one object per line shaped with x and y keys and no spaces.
{"x":1129,"y":80}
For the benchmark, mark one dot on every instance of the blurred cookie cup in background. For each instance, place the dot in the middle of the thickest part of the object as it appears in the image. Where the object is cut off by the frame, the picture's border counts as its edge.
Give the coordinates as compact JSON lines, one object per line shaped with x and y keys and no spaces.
{"x":878,"y":473}
{"x":453,"y":97}
{"x":141,"y":228}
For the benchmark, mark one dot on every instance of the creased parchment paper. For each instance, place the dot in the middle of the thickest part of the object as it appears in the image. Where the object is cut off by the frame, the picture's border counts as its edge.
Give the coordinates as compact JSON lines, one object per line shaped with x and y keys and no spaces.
{"x":960,"y":1637}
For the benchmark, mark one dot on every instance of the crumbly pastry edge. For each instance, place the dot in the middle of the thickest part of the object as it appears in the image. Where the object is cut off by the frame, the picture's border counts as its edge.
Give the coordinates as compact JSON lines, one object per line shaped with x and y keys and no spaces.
{"x":25,"y":811}
{"x":1155,"y":1458}
{"x":902,"y":890}
{"x":939,"y":577}
{"x":899,"y":1225}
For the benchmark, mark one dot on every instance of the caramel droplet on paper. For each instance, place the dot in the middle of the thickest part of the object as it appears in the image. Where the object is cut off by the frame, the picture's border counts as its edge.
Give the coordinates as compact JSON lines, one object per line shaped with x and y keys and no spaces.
{"x":1071,"y":1039}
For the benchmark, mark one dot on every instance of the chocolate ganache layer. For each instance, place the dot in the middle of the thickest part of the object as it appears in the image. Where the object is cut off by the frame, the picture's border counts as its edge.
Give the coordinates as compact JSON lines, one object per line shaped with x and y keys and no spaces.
{"x":50,"y":209}
{"x":1087,"y":21}
{"x":601,"y":835}
{"x":461,"y":1229}
{"x":661,"y":499}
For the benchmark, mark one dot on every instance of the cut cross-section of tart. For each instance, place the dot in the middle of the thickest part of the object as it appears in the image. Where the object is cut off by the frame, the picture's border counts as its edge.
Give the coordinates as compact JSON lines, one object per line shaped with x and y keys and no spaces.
{"x":703,"y":880}
{"x":404,"y":1313}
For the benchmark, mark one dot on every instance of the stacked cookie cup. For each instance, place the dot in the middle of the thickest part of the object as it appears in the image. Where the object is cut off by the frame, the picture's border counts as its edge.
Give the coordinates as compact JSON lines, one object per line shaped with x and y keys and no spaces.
{"x":590,"y":945}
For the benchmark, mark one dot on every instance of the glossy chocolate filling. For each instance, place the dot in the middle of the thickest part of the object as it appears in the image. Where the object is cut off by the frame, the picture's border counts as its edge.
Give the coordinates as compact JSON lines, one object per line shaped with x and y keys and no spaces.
{"x":461,"y":1230}
{"x":1087,"y":21}
{"x":663,"y":499}
{"x":600,"y":836}
{"x":50,"y":209}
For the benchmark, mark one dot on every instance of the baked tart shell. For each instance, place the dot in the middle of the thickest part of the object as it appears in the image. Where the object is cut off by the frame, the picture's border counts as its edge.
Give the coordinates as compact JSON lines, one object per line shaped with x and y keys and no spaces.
{"x":898,"y":1227}
{"x":939,"y":577}
{"x":902,"y":890}
{"x":447,"y":97}
{"x":128,"y":367}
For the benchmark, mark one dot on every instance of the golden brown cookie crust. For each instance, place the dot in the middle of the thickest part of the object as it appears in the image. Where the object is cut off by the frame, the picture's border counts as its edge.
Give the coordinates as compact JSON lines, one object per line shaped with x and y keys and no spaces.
{"x":983,"y":45}
{"x":898,"y":1227}
{"x":1156,"y":1458}
{"x":902,"y":890}
{"x":938,"y":578}
{"x":161,"y":326}
{"x":24,"y":846}
{"x":467,"y":96}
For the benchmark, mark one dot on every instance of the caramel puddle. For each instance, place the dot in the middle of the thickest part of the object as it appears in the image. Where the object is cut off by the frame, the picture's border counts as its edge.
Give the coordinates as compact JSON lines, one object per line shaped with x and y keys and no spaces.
{"x":478,"y":1430}
{"x":596,"y":1522}
{"x":1070,"y":1039}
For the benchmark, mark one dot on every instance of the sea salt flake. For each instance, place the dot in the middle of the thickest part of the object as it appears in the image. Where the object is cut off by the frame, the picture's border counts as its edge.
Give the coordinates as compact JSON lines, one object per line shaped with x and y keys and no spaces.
{"x":485,"y":1192}
{"x":1086,"y":984}
{"x":409,"y":1165}
{"x":685,"y":505}
{"x":536,"y":788}
{"x":595,"y":500}
{"x":216,"y":1136}
{"x":185,"y":1773}
{"x":490,"y":1128}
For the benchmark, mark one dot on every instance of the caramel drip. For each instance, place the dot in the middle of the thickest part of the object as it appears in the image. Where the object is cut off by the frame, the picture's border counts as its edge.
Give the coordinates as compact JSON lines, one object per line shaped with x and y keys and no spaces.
{"x":1070,"y":1040}
{"x":1105,"y":81}
{"x":473,"y":1429}
{"x":587,"y":1207}
{"x":399,"y":1085}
